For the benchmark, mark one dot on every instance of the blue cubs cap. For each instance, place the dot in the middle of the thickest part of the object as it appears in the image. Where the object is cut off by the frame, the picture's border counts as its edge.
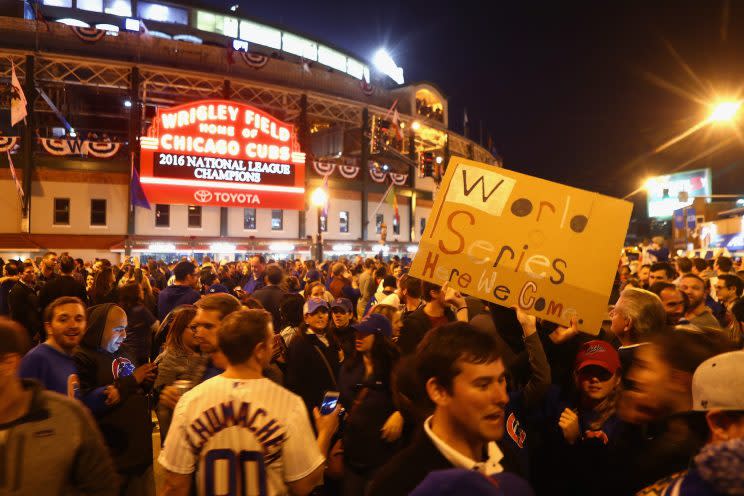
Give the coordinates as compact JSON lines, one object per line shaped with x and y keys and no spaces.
{"x":217,"y":288}
{"x":458,"y":481}
{"x":342,"y":303}
{"x":313,"y":304}
{"x":374,"y":323}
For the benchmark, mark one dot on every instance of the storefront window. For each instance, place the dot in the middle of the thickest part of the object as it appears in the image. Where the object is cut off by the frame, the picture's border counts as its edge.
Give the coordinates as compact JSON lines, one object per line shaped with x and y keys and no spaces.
{"x":206,"y":21}
{"x":260,"y":34}
{"x":162,"y":13}
{"x":121,"y":8}
{"x":332,"y":58}
{"x":195,"y":216}
{"x":98,"y":212}
{"x":249,"y":219}
{"x":343,"y":221}
{"x":277,"y":220}
{"x":378,"y":223}
{"x":61,"y":211}
{"x":162,"y":215}
{"x":92,"y":5}
{"x":299,"y":46}
{"x":58,"y":3}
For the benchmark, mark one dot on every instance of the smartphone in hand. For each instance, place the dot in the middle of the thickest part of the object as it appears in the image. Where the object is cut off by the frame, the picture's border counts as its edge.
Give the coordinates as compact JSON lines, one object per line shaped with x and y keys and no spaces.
{"x":330,"y":400}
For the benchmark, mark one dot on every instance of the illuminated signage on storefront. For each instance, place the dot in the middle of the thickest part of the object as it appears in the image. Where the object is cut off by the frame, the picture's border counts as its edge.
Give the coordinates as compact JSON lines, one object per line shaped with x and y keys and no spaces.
{"x":222,"y":153}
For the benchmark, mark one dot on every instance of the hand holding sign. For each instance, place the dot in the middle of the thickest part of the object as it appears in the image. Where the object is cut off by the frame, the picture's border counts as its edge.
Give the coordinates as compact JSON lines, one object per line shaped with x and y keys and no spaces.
{"x":519,"y":241}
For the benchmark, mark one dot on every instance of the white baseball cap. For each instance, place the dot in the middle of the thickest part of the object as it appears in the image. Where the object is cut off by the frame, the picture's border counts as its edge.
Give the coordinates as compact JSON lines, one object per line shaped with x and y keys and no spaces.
{"x":718,"y":383}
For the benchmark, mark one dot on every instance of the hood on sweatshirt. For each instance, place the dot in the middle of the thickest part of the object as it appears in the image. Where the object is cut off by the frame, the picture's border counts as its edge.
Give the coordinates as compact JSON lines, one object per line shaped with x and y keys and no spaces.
{"x":97,"y":316}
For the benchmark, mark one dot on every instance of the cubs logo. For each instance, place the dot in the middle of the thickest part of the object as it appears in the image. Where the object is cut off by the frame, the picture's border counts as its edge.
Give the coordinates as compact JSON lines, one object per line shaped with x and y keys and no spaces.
{"x":595,"y":348}
{"x":601,"y":435}
{"x":515,"y":431}
{"x":121,"y":367}
{"x":202,"y":195}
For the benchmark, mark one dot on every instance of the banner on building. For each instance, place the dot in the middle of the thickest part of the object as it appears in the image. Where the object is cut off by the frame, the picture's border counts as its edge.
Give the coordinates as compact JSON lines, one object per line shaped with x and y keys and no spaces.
{"x":62,"y":147}
{"x":520,"y":241}
{"x":8,"y":143}
{"x":222,"y":153}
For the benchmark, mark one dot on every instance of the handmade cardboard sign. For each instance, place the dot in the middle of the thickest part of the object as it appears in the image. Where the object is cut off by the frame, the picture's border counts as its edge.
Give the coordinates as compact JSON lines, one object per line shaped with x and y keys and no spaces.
{"x":517,"y":240}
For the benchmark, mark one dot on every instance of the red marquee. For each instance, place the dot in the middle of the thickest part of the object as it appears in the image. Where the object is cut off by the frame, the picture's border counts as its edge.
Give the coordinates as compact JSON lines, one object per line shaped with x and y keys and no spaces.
{"x":222,"y":153}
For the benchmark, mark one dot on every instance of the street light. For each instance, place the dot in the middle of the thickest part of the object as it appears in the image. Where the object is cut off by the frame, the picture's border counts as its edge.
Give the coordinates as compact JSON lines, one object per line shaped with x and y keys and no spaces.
{"x":318,"y":198}
{"x":724,"y":111}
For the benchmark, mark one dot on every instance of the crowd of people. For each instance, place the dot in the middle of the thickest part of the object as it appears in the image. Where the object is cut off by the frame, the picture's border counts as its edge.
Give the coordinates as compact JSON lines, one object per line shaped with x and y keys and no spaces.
{"x":352,"y":377}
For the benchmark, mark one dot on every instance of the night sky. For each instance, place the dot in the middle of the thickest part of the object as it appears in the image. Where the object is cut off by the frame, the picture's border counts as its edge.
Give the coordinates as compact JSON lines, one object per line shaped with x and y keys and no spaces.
{"x":580,"y":94}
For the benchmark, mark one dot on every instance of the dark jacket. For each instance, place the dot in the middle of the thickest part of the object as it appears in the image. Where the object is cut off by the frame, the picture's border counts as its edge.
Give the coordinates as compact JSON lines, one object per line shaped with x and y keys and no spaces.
{"x":5,"y":288}
{"x":63,"y":285}
{"x":364,"y":448}
{"x":307,"y":374}
{"x":270,"y":297}
{"x":415,"y":326}
{"x":408,"y":468}
{"x":24,"y":309}
{"x":127,"y":425}
{"x":173,"y":296}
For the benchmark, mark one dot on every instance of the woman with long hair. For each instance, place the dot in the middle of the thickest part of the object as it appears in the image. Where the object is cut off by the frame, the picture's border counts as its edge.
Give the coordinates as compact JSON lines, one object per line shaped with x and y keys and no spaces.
{"x":393,"y":315}
{"x":104,"y":290}
{"x":372,"y":424}
{"x":141,"y":323}
{"x":180,"y":360}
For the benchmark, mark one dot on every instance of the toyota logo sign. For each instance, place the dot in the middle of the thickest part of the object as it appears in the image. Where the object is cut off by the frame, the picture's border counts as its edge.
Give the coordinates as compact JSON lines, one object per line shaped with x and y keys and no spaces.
{"x":202,"y":195}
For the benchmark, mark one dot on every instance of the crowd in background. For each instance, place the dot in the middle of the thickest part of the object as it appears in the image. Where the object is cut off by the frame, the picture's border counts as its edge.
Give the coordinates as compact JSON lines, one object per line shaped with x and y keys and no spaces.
{"x":438,"y":391}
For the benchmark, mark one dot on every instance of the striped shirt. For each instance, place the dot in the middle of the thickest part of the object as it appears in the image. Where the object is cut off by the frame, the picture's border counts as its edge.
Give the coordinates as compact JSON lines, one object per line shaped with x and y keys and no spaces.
{"x":241,"y":436}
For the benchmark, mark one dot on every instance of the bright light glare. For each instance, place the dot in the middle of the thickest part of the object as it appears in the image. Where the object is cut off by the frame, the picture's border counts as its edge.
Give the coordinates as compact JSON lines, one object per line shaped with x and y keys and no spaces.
{"x":416,"y":125}
{"x":385,"y":64}
{"x":128,"y":103}
{"x":649,"y":183}
{"x":724,"y":111}
{"x":319,"y":197}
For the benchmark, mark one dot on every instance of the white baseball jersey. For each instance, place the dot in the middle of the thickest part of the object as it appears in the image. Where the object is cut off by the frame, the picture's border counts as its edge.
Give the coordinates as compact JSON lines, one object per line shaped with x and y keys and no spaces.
{"x":248,"y":437}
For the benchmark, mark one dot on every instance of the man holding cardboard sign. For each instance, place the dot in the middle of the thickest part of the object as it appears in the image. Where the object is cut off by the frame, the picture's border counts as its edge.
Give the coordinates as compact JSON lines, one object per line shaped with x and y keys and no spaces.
{"x":520,"y":241}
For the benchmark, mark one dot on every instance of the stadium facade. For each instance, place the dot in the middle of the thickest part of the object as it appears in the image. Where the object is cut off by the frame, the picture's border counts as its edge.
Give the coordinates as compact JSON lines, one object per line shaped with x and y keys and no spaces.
{"x":228,"y":126}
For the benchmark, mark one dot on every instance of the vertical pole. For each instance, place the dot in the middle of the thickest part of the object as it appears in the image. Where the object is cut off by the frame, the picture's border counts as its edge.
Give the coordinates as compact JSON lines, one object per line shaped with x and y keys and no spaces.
{"x":303,"y":132}
{"x":319,"y":239}
{"x":27,"y":143}
{"x":135,"y":127}
{"x":364,"y":171}
{"x":226,"y":93}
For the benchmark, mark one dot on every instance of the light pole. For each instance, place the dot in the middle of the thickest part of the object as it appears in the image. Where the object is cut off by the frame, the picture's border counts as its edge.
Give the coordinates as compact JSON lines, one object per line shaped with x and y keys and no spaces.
{"x":318,"y":198}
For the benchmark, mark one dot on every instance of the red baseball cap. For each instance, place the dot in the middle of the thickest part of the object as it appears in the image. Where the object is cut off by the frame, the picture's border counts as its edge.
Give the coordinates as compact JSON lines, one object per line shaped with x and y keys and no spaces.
{"x":600,"y":353}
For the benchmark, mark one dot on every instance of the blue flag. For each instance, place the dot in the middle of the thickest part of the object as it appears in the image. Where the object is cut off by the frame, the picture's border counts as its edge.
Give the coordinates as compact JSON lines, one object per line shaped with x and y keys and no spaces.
{"x":136,"y":193}
{"x":679,"y":219}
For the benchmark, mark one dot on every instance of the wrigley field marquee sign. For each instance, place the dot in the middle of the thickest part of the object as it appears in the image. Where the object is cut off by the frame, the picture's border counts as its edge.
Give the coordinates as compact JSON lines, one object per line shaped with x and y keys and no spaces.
{"x":222,"y":153}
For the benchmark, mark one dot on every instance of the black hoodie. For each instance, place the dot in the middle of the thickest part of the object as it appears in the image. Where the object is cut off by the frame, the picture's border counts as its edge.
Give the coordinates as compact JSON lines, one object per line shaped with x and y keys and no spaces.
{"x":126,"y":426}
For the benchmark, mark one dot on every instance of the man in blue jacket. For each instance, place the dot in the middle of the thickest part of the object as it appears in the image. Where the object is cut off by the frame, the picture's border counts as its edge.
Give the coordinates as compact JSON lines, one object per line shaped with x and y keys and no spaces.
{"x":182,"y":292}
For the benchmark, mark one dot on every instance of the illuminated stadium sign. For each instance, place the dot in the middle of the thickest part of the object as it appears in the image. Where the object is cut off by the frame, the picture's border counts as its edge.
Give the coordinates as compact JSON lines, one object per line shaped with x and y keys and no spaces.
{"x":222,"y":153}
{"x":664,"y":191}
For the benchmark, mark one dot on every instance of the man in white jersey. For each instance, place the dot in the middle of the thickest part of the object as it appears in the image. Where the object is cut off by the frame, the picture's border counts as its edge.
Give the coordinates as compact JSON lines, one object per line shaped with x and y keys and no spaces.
{"x":241,"y":433}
